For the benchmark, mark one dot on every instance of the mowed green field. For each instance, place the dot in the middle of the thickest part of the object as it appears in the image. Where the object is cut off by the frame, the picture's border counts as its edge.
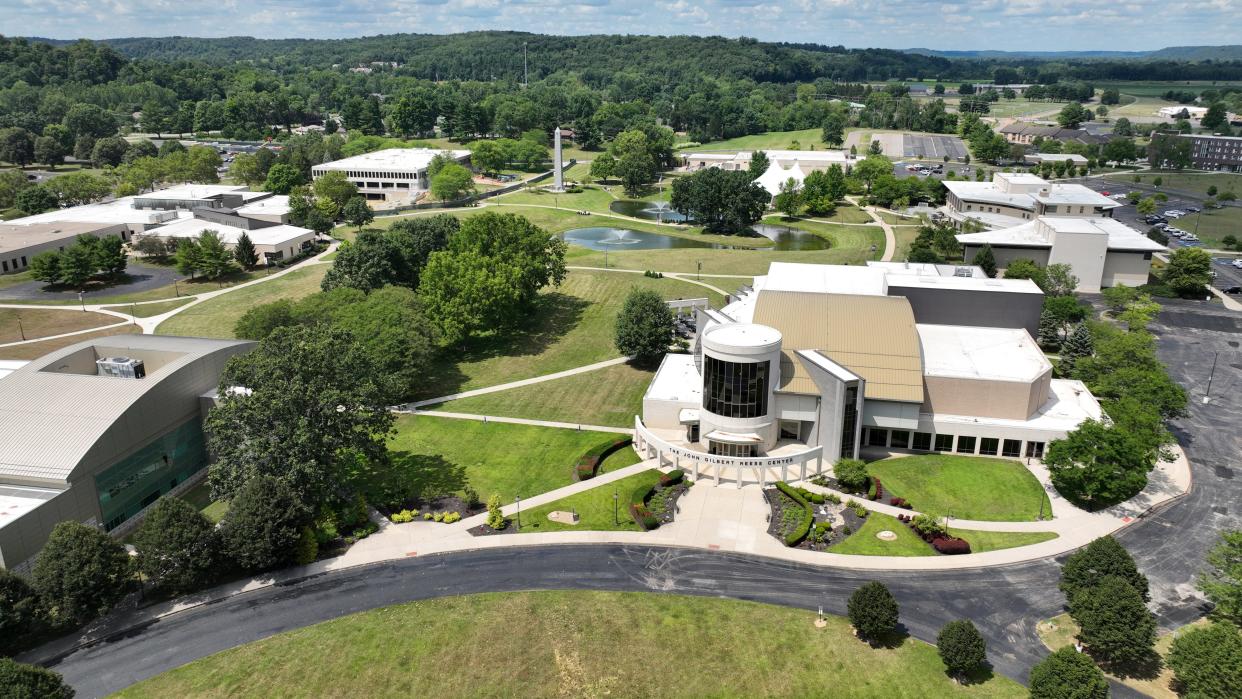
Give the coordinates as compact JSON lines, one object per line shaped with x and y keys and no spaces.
{"x":574,"y":644}
{"x":216,"y":317}
{"x":776,"y":140}
{"x":1186,"y":181}
{"x":964,"y":487}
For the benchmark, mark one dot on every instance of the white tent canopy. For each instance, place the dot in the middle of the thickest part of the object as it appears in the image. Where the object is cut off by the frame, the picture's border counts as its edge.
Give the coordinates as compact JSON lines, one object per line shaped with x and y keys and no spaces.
{"x":775,"y":176}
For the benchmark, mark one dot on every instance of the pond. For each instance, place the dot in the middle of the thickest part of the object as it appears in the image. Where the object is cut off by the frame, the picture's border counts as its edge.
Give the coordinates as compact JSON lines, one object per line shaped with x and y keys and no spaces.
{"x":614,"y":239}
{"x":649,"y":210}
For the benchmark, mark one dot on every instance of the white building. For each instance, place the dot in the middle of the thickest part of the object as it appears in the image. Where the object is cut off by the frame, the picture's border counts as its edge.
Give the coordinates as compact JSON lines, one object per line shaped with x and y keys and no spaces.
{"x":807,"y":161}
{"x":776,"y":176}
{"x":815,"y":362}
{"x":272,"y":242}
{"x":1174,"y":111}
{"x":20,"y":244}
{"x":1012,"y":198}
{"x":394,"y":173}
{"x":1072,"y":158}
{"x":1102,"y":252}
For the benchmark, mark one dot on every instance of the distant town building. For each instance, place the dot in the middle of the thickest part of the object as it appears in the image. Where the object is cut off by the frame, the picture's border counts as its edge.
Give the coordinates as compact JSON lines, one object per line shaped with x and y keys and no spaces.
{"x":806,"y":161}
{"x":1223,"y":153}
{"x":20,"y":244}
{"x":1025,"y":133}
{"x":1072,"y":158}
{"x":1175,"y":112}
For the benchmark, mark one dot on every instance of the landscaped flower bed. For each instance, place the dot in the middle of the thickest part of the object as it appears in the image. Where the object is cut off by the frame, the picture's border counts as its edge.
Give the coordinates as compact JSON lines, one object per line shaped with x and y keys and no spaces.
{"x":812,"y":521}
{"x":933,"y":532}
{"x":446,"y":509}
{"x":651,"y":507}
{"x":588,"y":464}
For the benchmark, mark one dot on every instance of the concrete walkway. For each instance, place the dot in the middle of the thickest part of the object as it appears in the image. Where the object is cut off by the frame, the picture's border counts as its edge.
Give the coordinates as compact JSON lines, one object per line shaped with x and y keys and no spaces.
{"x":890,"y":238}
{"x":521,"y":421}
{"x":515,"y":384}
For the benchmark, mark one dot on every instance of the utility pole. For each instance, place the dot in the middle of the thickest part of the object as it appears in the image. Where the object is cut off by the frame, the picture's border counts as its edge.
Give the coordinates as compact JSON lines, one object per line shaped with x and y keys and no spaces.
{"x":1207,"y":395}
{"x":525,"y":67}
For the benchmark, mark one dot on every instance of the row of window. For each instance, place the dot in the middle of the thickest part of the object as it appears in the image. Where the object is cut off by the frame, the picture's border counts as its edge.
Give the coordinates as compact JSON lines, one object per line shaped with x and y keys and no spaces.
{"x":5,"y":264}
{"x":359,"y":174}
{"x":960,"y":444}
{"x":735,"y":389}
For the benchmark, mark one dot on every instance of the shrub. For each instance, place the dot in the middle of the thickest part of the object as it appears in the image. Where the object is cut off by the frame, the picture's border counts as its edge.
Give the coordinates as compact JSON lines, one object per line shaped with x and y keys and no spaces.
{"x":927,"y":526}
{"x":1068,"y":674}
{"x":1208,"y":661}
{"x":450,"y":517}
{"x":439,"y":517}
{"x":588,"y":463}
{"x":950,"y":545}
{"x":643,"y":517}
{"x":81,"y":573}
{"x":178,"y":547}
{"x":495,"y":518}
{"x":961,"y":647}
{"x":427,"y":516}
{"x":672,"y":477}
{"x":876,"y":491}
{"x":470,"y":496}
{"x":1101,"y":557}
{"x":19,"y":611}
{"x":799,"y":533}
{"x":263,"y":524}
{"x":307,"y":549}
{"x":1114,"y":622}
{"x":851,"y":474}
{"x":21,"y":681}
{"x":873,"y":611}
{"x":402,"y":517}
{"x":900,"y":502}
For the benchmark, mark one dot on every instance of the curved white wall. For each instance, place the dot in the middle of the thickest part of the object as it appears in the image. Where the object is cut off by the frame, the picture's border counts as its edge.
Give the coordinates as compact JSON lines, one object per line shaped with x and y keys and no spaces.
{"x":743,"y":343}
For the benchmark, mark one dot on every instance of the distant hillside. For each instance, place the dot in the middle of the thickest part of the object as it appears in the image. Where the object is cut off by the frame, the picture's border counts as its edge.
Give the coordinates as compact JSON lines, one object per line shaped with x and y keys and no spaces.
{"x":1198,"y":53}
{"x":1048,"y":55}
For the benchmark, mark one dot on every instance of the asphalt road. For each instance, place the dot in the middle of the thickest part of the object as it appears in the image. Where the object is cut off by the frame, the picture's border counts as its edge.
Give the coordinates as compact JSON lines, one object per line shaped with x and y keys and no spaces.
{"x":141,"y":278}
{"x":1005,"y":603}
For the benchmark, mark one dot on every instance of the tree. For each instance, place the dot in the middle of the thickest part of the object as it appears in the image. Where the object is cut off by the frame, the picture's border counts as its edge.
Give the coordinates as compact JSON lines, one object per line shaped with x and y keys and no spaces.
{"x":395,"y":256}
{"x":1026,"y":269}
{"x":1215,"y":117}
{"x":817,"y":192}
{"x":81,"y":573}
{"x":35,"y":200}
{"x":1207,"y":661}
{"x":245,"y":169}
{"x":19,"y":612}
{"x":875,"y":148}
{"x":603,"y":166}
{"x":108,"y":255}
{"x":84,"y":119}
{"x":1098,"y":465}
{"x":1222,"y":581}
{"x":488,"y":156}
{"x":177,"y":547}
{"x":1068,"y":674}
{"x":636,"y":164}
{"x":1146,"y":206}
{"x":1049,"y":331}
{"x":1059,"y":280}
{"x":22,"y":681}
{"x":77,"y":188}
{"x":1101,"y":558}
{"x":49,"y":151}
{"x":834,"y":128}
{"x":759,"y":164}
{"x":214,"y":258}
{"x":644,"y":326}
{"x":188,"y":258}
{"x":495,"y":517}
{"x":452,"y":182}
{"x":789,"y":199}
{"x":244,"y":251}
{"x":315,"y":396}
{"x":17,"y":146}
{"x":1077,"y":346}
{"x":77,"y":265}
{"x":985,"y":260}
{"x":1114,"y":622}
{"x":871,"y":168}
{"x":723,"y":201}
{"x":282,"y":178}
{"x":263,"y":524}
{"x":335,"y":187}
{"x":45,"y":267}
{"x":873,"y":611}
{"x":109,"y":152}
{"x":961,"y":647}
{"x":356,"y":213}
{"x":1189,"y":271}
{"x":1072,"y":115}
{"x":12,"y":183}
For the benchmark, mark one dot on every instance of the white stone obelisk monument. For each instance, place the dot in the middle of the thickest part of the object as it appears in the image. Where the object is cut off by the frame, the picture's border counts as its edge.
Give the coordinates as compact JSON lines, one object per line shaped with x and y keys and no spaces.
{"x":558,"y":183}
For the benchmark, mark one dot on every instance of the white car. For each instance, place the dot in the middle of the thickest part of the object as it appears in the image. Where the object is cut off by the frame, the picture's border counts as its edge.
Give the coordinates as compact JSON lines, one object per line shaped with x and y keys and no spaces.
{"x":1173,"y":213}
{"x":1238,"y":263}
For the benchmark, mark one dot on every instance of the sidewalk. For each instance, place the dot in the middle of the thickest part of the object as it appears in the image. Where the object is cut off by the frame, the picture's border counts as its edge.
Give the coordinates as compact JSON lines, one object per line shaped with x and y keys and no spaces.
{"x":515,"y":384}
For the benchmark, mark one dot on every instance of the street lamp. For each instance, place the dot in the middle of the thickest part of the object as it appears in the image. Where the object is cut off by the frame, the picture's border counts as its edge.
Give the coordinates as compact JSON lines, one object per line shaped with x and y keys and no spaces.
{"x":81,"y":301}
{"x":518,"y":513}
{"x":616,"y":497}
{"x":176,"y":288}
{"x":20,"y":328}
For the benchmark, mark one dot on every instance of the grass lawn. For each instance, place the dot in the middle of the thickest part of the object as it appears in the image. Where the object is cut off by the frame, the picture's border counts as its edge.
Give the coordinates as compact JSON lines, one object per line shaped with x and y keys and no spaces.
{"x":7,"y":280}
{"x":865,"y":543}
{"x":905,"y":236}
{"x":1212,"y":225}
{"x":611,"y":396}
{"x":776,"y":140}
{"x":845,"y":213}
{"x":216,"y":317}
{"x":200,"y":496}
{"x":1185,"y":181}
{"x":1022,"y":107}
{"x":964,"y":487}
{"x":446,"y":454}
{"x":186,"y":287}
{"x":35,"y":350}
{"x":151,"y":308}
{"x":1061,"y":630}
{"x":572,"y":327}
{"x":846,"y":237}
{"x":37,"y":322}
{"x":981,"y":541}
{"x":571,"y":644}
{"x":595,"y":507}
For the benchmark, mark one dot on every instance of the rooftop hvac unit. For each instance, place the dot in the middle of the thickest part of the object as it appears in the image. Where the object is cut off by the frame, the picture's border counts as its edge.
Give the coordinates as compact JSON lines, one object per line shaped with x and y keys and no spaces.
{"x":963,"y":272}
{"x":121,"y":367}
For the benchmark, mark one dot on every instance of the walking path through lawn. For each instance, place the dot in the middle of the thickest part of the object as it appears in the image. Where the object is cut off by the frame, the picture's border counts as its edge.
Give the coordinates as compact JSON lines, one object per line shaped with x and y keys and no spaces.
{"x":514,"y":384}
{"x":890,"y":238}
{"x":522,"y":421}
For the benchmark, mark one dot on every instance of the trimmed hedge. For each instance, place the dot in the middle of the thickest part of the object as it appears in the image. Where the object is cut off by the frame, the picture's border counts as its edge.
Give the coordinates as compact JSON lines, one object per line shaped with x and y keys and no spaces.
{"x":672,"y":477}
{"x":876,"y":490}
{"x":808,"y":514}
{"x":638,"y":508}
{"x":949,"y":545}
{"x":589,"y":462}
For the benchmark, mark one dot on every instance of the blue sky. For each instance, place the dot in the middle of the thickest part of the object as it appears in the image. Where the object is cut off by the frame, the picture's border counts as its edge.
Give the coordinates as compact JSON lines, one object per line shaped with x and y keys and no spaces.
{"x":946,"y":24}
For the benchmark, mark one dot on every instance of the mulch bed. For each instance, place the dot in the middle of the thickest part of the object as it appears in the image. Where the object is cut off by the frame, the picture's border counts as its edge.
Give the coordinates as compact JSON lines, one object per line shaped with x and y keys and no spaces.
{"x":667,"y":497}
{"x":783,"y":506}
{"x":448,"y":503}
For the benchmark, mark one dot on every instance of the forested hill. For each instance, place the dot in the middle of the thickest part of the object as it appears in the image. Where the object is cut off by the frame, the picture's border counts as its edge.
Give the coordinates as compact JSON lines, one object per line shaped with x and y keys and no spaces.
{"x":498,"y":55}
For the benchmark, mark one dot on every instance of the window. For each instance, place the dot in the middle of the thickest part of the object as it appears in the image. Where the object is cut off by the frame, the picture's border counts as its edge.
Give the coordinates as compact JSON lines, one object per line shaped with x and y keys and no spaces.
{"x":921,"y":442}
{"x":965,"y":445}
{"x":849,"y":421}
{"x":4,"y":265}
{"x":735,"y":389}
{"x":789,"y":429}
{"x":1012,"y":448}
{"x":1035,"y":449}
{"x":988,"y":446}
{"x":944,"y":442}
{"x":138,"y":480}
{"x":726,"y":449}
{"x":900,"y":439}
{"x":877,"y":438}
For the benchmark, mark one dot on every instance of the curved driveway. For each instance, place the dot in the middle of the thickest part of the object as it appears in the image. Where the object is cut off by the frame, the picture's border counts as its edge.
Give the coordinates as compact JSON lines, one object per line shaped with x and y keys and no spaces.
{"x":1004,"y":602}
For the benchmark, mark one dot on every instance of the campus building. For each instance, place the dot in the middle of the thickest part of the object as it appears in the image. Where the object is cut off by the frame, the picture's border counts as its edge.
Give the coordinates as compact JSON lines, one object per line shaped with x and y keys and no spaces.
{"x":1071,"y":158}
{"x":1175,"y":112}
{"x":1025,"y":133}
{"x":813,"y":363}
{"x":1102,"y":252}
{"x":98,"y":431}
{"x":20,"y":244}
{"x":1012,"y":198}
{"x":1222,"y":153}
{"x":391,"y":174}
{"x":272,"y":241}
{"x":805,"y":161}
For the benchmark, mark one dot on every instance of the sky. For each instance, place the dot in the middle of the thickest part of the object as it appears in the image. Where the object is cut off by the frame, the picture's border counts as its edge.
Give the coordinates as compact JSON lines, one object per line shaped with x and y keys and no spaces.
{"x":1044,"y":25}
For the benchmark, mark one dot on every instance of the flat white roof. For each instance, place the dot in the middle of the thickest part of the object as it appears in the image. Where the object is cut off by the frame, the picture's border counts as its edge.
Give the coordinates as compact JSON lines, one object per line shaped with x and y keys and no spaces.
{"x":193,"y":227}
{"x":8,"y":366}
{"x":1038,"y":233}
{"x":988,"y":193}
{"x":198,"y":192}
{"x":119,"y":211}
{"x":1054,"y":157}
{"x":1074,"y":194}
{"x":275,"y":205}
{"x":925,"y":269}
{"x":16,"y":501}
{"x":1013,"y":286}
{"x":395,"y":159}
{"x":1069,"y":404}
{"x":826,"y":279}
{"x":809,"y":156}
{"x":744,"y":335}
{"x":995,"y":354}
{"x":676,"y":380}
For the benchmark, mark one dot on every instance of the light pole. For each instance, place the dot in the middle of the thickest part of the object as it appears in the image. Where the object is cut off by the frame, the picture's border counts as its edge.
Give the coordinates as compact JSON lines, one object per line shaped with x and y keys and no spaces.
{"x":1207,"y":395}
{"x":518,"y":513}
{"x":176,"y":288}
{"x":133,"y":314}
{"x":81,"y":301}
{"x":19,"y":326}
{"x":699,"y":274}
{"x":616,"y":497}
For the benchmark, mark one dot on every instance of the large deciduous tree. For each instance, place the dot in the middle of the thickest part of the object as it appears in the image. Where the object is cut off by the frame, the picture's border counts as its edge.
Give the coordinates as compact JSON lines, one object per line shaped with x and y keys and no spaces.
{"x":1102,"y":557}
{"x":264,"y":523}
{"x":961,"y":647}
{"x":873,"y":611}
{"x":1222,"y":581}
{"x":1068,"y":674}
{"x":81,"y":573}
{"x":1098,"y":465}
{"x":722,"y":201}
{"x":22,"y":681}
{"x":178,"y":550}
{"x":394,"y":256}
{"x":1115,"y":624}
{"x":644,"y":326}
{"x":297,"y":405}
{"x":1207,"y":662}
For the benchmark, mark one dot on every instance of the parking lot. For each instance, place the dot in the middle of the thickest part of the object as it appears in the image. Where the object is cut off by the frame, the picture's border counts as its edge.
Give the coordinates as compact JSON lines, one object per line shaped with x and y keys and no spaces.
{"x":932,"y":147}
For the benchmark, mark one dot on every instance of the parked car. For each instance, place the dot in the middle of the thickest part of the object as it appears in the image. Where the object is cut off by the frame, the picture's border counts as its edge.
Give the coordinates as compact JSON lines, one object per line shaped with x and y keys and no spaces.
{"x":1192,"y":209}
{"x":1152,"y":219}
{"x":1174,"y":213}
{"x":1238,"y":263}
{"x":1233,"y":290}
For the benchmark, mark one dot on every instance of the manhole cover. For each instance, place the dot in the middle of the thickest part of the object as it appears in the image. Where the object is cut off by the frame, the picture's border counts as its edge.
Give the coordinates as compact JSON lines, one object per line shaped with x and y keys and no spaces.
{"x":886,"y":535}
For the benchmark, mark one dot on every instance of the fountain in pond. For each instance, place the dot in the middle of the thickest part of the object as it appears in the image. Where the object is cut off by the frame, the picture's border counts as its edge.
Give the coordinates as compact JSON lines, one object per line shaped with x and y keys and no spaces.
{"x":621,"y":238}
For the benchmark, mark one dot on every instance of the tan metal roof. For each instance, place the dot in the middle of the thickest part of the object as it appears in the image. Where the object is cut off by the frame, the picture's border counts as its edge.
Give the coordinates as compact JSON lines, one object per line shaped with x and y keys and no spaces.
{"x":872,"y":336}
